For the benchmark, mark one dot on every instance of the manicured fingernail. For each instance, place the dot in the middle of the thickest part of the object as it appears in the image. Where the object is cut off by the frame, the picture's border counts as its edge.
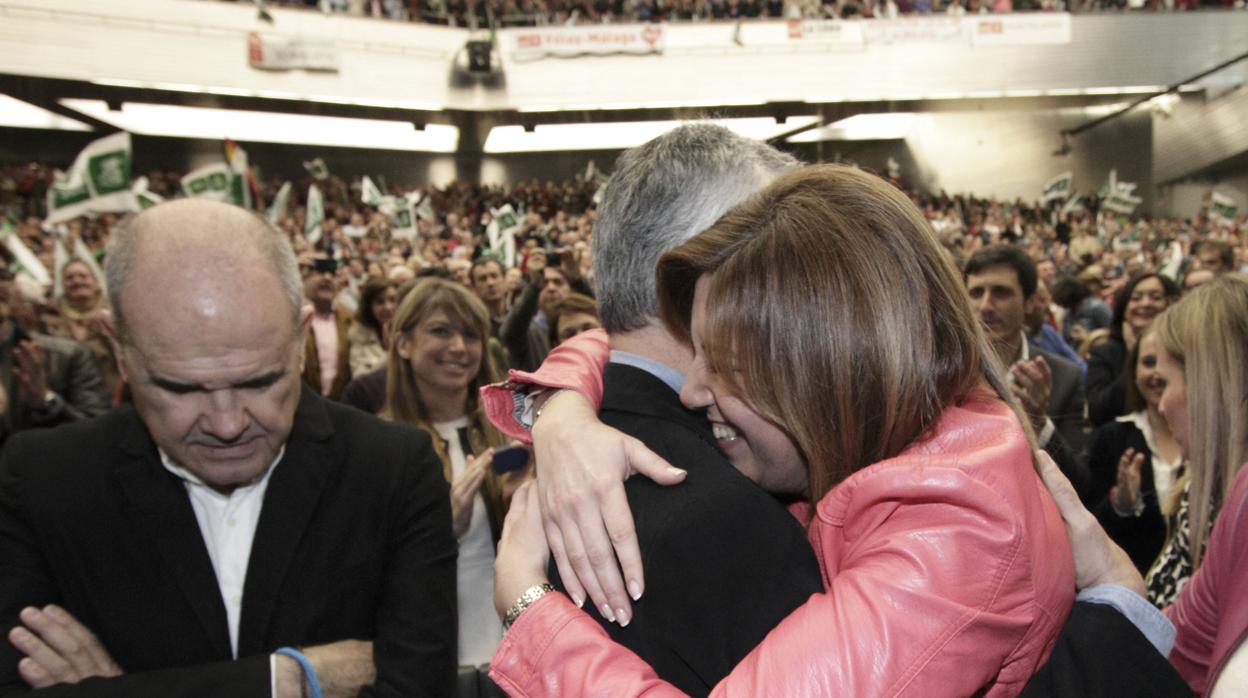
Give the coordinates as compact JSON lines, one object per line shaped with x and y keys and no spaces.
{"x":675,"y":471}
{"x":606,"y":613}
{"x":634,"y":589}
{"x":623,"y":616}
{"x":578,"y":600}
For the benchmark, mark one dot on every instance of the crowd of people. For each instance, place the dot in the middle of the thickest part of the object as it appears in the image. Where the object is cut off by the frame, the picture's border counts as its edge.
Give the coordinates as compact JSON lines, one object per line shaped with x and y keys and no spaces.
{"x":952,"y":342}
{"x":521,"y":13}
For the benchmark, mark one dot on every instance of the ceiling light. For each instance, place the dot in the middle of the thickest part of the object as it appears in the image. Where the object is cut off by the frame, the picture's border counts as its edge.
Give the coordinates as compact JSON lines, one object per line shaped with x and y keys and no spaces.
{"x":621,"y":135}
{"x":652,"y":104}
{"x":15,"y":113}
{"x":270,"y":127}
{"x":861,"y":127}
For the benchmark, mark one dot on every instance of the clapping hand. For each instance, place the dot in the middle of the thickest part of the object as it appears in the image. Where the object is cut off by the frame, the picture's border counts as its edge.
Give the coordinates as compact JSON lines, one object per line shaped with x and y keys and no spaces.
{"x":464,"y":491}
{"x":1125,"y":496}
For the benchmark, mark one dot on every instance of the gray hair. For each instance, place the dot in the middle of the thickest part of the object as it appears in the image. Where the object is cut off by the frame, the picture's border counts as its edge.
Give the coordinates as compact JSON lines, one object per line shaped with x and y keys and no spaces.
{"x":661,"y":194}
{"x":127,"y":236}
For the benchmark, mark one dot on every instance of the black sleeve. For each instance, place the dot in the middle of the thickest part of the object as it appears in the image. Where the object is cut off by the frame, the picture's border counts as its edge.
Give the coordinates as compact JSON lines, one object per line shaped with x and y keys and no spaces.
{"x":1067,"y":443}
{"x":720,"y":580}
{"x":84,"y":388}
{"x":243,"y":678}
{"x":1100,"y":653}
{"x":1106,"y":383}
{"x":1071,"y":465}
{"x":514,"y":333}
{"x":1107,"y":447}
{"x":25,"y":581}
{"x":415,"y":645}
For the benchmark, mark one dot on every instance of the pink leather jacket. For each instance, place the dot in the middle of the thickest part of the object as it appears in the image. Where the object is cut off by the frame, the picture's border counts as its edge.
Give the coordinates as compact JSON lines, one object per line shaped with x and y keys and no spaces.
{"x":1211,"y":614}
{"x":947,"y":569}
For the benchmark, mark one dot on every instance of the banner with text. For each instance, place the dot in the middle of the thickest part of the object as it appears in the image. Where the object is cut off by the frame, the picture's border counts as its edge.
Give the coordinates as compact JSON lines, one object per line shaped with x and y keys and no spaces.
{"x":1024,"y":29}
{"x":592,"y":40}
{"x":295,"y":53}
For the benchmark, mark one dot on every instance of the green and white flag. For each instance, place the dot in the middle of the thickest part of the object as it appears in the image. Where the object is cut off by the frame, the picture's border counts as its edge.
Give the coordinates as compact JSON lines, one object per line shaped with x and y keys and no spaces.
{"x":370,"y":195}
{"x":501,"y":233}
{"x":317,"y":169}
{"x":1110,"y":185}
{"x":82,"y":253}
{"x":1121,"y":202}
{"x":218,"y":182}
{"x":424,"y":210}
{"x":145,"y":198}
{"x":60,"y":257}
{"x":99,"y":180}
{"x":1222,"y":207}
{"x":315,"y":216}
{"x":1117,"y":196}
{"x":404,"y":217}
{"x":1074,"y":203}
{"x":278,"y":210}
{"x":25,"y":263}
{"x":1058,"y":188}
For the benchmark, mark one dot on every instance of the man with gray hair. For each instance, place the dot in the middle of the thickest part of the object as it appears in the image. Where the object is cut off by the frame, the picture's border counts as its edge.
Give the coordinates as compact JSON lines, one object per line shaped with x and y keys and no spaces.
{"x":187,"y":544}
{"x":710,"y":544}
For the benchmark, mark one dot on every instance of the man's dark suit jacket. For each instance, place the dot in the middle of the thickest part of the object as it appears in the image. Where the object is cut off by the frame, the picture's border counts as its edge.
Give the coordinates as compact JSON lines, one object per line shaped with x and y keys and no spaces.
{"x":724,"y":562}
{"x":354,"y":542}
{"x":1066,"y":402}
{"x":72,"y":375}
{"x":1100,"y":654}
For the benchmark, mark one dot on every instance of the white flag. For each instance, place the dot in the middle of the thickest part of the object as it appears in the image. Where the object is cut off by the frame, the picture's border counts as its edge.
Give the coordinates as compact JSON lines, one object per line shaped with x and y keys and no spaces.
{"x":501,"y":233}
{"x":424,"y":210}
{"x":240,"y":190}
{"x":1058,"y":187}
{"x":317,"y":168}
{"x":60,"y":257}
{"x":278,"y":210}
{"x":1222,"y":207}
{"x":212,"y":182}
{"x":99,"y":180}
{"x":84,"y":253}
{"x":315,"y":216}
{"x":1120,"y":202}
{"x":370,"y":195}
{"x":403,"y":215}
{"x":143,"y":196}
{"x":25,"y":263}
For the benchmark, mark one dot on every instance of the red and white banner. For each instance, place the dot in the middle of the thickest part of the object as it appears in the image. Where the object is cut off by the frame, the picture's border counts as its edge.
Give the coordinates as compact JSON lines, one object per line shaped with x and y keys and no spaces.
{"x":600,"y":40}
{"x":1023,"y":29}
{"x":291,"y":54}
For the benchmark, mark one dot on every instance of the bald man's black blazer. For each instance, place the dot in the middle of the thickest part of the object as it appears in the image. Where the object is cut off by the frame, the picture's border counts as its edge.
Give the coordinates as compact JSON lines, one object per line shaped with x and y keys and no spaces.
{"x":354,"y":541}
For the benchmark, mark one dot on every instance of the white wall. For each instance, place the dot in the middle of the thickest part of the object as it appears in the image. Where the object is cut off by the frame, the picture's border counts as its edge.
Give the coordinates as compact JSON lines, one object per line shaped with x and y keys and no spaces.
{"x":201,"y":43}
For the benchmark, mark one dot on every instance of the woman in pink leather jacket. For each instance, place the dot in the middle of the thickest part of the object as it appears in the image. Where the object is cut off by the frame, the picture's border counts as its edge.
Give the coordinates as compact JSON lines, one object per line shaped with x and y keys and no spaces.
{"x":833,"y":339}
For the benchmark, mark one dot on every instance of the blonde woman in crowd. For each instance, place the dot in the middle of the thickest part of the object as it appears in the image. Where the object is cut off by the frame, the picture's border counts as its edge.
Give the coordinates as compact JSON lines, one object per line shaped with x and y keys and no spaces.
{"x":437,"y":364}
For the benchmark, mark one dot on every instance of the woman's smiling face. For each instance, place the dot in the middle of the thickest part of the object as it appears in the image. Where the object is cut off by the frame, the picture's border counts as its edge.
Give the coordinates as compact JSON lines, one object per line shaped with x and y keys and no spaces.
{"x":758,"y":448}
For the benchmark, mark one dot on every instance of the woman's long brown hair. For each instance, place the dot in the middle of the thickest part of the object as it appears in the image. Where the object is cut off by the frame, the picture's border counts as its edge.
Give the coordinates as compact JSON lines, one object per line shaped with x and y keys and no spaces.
{"x":834,"y":311}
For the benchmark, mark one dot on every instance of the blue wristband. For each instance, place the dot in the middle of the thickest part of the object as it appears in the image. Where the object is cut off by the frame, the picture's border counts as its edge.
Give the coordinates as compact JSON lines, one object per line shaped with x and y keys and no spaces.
{"x":314,"y":686}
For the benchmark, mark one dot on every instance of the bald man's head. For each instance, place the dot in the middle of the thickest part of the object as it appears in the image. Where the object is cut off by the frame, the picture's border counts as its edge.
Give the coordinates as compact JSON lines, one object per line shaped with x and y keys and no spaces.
{"x":206,"y":302}
{"x":198,"y":245}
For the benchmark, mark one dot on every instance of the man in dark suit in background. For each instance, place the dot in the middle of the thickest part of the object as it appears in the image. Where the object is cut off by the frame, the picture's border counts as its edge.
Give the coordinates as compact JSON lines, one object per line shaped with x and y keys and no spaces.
{"x":1001,"y":280}
{"x":170,"y":548}
{"x":724,"y":561}
{"x":44,"y":381}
